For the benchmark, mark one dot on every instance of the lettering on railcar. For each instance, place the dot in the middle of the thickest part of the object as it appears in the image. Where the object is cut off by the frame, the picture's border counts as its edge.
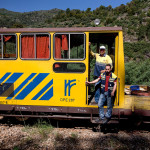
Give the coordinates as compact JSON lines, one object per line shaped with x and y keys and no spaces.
{"x":67,"y":99}
{"x":22,"y":107}
{"x":55,"y":109}
{"x":81,"y":110}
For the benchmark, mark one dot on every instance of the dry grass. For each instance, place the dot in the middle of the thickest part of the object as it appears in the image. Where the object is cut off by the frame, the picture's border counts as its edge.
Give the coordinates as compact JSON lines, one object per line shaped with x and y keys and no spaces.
{"x":43,"y":136}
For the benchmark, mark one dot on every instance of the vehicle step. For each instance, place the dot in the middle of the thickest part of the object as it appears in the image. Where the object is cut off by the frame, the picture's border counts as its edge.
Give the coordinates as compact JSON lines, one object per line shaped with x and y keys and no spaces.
{"x":112,"y":121}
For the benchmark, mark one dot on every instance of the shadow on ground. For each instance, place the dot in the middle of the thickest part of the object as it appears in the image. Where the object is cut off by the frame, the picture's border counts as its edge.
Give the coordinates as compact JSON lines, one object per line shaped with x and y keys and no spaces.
{"x":127,"y":137}
{"x":125,"y":125}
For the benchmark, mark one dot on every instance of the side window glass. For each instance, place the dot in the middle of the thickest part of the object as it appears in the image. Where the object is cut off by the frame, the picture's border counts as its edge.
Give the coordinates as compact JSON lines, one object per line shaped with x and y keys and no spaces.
{"x":76,"y":46}
{"x":27,"y":46}
{"x":61,"y":46}
{"x":35,"y":46}
{"x":69,"y":46}
{"x":42,"y":46}
{"x":8,"y":46}
{"x":62,"y":67}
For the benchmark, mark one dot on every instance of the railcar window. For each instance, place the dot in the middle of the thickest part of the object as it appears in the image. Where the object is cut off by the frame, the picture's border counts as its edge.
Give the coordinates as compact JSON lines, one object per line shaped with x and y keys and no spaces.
{"x":69,"y":67}
{"x":8,"y":46}
{"x":70,"y":46}
{"x":0,"y":47}
{"x":42,"y":46}
{"x":27,"y":46}
{"x":35,"y":46}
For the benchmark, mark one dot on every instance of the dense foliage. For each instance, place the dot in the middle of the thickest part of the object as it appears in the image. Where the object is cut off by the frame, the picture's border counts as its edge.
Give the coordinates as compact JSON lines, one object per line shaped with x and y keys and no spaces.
{"x":138,"y":73}
{"x":137,"y":63}
{"x":137,"y":51}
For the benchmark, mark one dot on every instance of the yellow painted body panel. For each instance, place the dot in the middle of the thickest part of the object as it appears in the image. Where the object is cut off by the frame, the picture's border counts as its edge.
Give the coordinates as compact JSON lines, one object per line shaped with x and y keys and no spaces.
{"x":78,"y":93}
{"x":121,"y":71}
{"x":137,"y":102}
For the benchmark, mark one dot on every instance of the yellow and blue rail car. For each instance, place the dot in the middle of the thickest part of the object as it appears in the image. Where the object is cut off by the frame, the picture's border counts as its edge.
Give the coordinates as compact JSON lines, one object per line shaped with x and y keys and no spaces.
{"x":43,"y":71}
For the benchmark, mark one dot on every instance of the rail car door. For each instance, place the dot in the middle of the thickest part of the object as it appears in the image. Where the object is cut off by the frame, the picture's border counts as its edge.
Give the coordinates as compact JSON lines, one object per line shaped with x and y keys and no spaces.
{"x":110,"y":41}
{"x":70,"y":69}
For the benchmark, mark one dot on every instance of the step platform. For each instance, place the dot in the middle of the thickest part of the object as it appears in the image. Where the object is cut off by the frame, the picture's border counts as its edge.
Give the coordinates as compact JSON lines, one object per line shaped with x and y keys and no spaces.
{"x":112,"y":121}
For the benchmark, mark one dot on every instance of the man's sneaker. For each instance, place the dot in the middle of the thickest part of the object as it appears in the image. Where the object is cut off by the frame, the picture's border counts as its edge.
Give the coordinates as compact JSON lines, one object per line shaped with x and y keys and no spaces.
{"x":98,"y":120}
{"x":106,"y":120}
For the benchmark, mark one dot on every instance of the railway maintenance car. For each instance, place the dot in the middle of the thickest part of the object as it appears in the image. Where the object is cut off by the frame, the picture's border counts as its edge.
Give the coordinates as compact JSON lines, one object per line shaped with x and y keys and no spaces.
{"x":43,"y":73}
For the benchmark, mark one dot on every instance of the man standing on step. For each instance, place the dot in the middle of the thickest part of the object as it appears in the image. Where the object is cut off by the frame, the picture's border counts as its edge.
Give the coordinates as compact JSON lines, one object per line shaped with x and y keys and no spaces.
{"x":101,"y":60}
{"x":108,"y":88}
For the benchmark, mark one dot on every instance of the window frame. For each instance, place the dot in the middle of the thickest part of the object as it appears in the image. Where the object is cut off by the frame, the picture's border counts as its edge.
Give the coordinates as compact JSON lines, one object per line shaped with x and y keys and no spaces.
{"x":34,"y":34}
{"x":69,"y":63}
{"x":2,"y":58}
{"x":69,"y":59}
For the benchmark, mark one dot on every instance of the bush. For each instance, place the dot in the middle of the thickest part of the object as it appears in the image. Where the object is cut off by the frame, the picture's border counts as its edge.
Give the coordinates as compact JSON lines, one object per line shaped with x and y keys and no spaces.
{"x":142,"y":32}
{"x":136,"y":50}
{"x":137,"y":74}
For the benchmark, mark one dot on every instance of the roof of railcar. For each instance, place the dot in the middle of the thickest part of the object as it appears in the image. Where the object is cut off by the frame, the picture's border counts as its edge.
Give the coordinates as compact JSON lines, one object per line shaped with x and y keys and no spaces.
{"x":74,"y":29}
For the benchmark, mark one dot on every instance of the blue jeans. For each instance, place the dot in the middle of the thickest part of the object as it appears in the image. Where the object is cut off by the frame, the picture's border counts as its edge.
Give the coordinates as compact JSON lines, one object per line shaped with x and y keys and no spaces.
{"x":97,"y":91}
{"x":101,"y":102}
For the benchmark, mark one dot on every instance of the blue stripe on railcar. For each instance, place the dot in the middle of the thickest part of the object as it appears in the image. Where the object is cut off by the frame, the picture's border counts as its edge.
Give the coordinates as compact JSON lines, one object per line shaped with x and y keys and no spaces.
{"x":21,"y":86}
{"x":48,"y":95}
{"x":43,"y":90}
{"x":36,"y":81}
{"x":5,"y":76}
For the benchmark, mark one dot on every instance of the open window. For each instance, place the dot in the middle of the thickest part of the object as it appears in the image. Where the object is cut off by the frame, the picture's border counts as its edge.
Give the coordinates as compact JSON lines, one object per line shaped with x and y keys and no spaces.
{"x":8,"y":46}
{"x":35,"y":46}
{"x":69,"y":46}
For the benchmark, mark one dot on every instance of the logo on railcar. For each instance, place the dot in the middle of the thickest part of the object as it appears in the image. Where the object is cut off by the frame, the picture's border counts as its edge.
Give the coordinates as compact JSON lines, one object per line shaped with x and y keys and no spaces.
{"x":68,"y":86}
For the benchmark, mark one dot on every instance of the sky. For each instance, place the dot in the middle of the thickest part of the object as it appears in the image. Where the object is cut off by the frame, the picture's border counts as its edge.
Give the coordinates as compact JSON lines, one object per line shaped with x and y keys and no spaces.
{"x":36,"y":5}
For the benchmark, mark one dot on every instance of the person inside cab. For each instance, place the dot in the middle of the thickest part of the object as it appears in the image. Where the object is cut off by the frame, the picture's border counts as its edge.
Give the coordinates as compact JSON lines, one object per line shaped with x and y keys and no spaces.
{"x":101,"y":60}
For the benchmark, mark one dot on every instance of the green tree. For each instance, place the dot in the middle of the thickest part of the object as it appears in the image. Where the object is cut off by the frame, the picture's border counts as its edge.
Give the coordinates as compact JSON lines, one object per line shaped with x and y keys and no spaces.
{"x":17,"y":25}
{"x":142,"y":32}
{"x":88,"y":10}
{"x":68,"y":11}
{"x":137,"y":74}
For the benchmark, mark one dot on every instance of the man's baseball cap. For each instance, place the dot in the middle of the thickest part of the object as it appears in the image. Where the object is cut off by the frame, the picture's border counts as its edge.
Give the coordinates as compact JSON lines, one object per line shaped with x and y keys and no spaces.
{"x":102,"y":47}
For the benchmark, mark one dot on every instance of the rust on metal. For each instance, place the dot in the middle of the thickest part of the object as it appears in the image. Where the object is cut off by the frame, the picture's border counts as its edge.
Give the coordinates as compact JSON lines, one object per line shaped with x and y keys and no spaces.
{"x":140,"y":93}
{"x":142,"y":112}
{"x":53,"y":109}
{"x":47,"y":116}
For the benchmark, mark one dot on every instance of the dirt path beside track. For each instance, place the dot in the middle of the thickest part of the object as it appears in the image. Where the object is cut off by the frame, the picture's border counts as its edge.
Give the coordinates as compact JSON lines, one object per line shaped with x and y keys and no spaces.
{"x":28,"y":137}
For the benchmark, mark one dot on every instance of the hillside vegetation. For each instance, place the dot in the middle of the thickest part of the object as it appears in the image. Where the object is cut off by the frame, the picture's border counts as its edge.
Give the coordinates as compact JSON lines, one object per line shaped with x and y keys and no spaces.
{"x":36,"y":19}
{"x":133,"y":17}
